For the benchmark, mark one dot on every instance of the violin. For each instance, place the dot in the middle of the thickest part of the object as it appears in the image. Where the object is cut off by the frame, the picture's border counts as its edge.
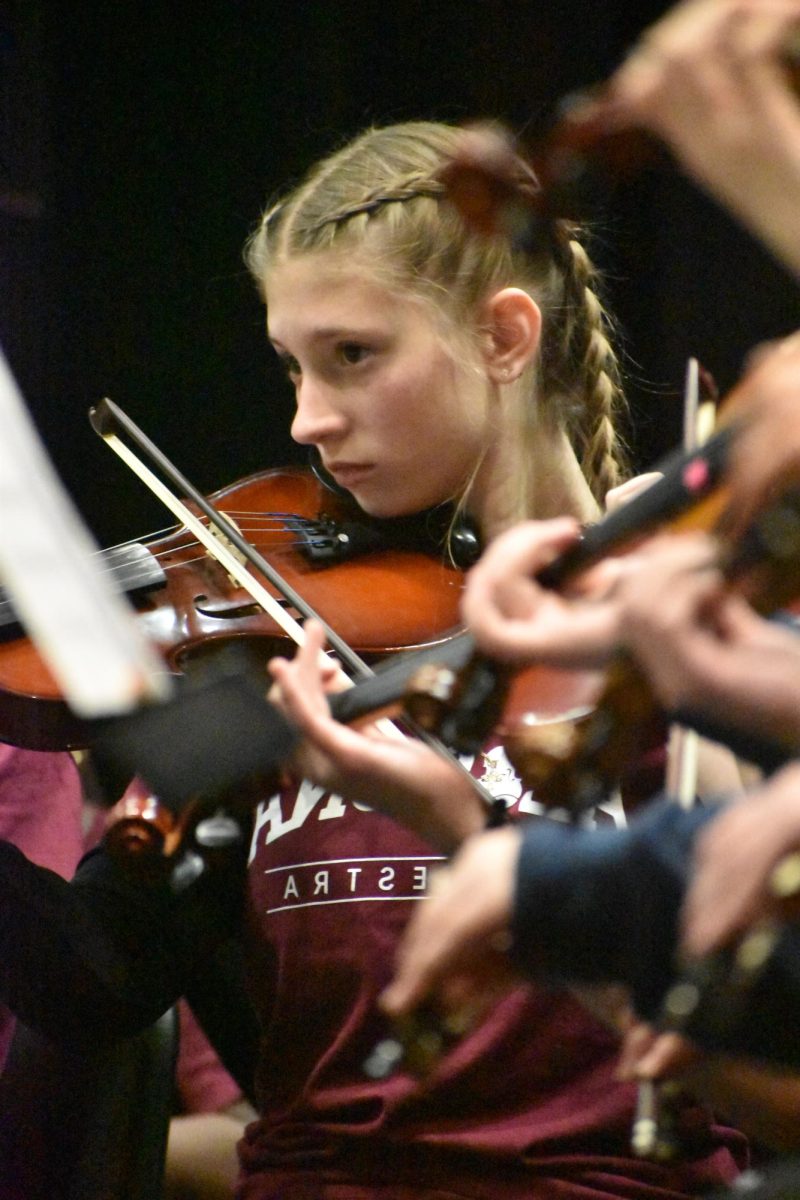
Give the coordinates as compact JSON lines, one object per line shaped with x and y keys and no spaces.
{"x":385,"y":586}
{"x":765,"y":565}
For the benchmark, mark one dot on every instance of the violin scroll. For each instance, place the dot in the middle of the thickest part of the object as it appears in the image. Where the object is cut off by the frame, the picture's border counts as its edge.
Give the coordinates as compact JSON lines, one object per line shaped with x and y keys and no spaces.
{"x":148,"y":839}
{"x":501,"y":189}
{"x":498,"y":191}
{"x":139,"y":826}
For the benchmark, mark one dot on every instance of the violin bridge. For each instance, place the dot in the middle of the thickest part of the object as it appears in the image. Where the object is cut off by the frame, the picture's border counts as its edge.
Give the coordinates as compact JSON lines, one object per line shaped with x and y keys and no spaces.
{"x":229,"y":546}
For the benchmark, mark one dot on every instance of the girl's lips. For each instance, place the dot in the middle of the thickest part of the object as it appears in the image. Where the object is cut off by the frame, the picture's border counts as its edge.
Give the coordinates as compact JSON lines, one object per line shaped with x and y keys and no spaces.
{"x":349,"y":473}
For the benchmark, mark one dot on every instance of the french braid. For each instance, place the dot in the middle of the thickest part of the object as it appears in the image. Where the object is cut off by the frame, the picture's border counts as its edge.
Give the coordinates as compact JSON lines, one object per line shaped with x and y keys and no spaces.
{"x":380,"y":198}
{"x":580,"y":366}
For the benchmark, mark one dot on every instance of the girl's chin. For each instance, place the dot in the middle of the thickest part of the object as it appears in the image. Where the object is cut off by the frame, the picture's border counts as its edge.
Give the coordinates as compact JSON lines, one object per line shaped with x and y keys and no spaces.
{"x":379,"y":500}
{"x":384,"y":508}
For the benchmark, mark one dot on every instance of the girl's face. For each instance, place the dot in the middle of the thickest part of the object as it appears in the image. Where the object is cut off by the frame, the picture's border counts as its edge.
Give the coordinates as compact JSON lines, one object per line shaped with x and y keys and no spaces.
{"x":396,"y":420}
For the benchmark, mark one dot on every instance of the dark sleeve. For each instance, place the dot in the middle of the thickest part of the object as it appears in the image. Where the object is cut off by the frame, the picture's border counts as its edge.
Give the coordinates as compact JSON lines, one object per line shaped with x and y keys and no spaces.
{"x":602,"y":905}
{"x":103,"y":956}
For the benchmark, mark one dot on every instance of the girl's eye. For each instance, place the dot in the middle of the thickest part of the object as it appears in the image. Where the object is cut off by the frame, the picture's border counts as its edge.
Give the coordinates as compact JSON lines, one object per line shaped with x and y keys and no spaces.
{"x":353,"y":352}
{"x":290,"y":365}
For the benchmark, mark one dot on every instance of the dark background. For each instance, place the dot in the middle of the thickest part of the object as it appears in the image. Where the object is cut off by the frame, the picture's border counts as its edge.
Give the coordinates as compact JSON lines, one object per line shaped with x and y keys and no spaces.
{"x":139,"y":143}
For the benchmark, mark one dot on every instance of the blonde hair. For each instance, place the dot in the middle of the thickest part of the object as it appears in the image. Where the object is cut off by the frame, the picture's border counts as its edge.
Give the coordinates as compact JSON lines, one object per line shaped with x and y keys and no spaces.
{"x":383,"y":195}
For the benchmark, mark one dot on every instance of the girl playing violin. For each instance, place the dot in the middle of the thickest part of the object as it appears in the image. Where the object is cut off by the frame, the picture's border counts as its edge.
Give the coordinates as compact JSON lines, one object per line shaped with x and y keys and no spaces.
{"x":430,"y":364}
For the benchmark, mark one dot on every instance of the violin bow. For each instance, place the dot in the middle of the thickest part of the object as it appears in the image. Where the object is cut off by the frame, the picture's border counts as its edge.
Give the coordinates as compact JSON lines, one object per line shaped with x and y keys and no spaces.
{"x":699,"y":416}
{"x":652,"y":1132}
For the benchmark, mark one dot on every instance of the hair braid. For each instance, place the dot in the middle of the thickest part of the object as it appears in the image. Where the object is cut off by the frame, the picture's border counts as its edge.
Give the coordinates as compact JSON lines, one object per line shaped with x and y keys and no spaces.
{"x":582,"y":365}
{"x":410,"y":189}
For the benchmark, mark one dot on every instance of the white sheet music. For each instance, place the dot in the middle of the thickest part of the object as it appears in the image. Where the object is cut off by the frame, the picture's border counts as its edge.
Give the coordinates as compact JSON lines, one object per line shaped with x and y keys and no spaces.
{"x":84,"y":630}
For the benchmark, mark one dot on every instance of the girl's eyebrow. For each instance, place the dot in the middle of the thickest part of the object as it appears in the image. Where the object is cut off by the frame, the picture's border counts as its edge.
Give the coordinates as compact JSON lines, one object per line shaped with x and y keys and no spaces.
{"x":331,"y":332}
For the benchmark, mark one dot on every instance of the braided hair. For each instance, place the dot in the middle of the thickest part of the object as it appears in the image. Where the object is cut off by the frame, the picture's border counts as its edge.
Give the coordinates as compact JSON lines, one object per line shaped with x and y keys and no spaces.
{"x":381,"y":197}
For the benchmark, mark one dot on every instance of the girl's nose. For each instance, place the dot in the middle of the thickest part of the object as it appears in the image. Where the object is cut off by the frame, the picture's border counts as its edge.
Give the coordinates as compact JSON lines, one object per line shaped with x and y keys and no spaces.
{"x":317,"y":417}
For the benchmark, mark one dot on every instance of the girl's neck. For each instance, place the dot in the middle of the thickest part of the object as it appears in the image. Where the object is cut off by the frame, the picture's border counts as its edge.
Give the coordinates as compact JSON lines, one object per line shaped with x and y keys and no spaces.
{"x":557,"y":486}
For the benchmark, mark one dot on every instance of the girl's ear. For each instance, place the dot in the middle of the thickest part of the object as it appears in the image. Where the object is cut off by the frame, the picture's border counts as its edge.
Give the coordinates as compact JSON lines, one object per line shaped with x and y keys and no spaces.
{"x":512,"y":326}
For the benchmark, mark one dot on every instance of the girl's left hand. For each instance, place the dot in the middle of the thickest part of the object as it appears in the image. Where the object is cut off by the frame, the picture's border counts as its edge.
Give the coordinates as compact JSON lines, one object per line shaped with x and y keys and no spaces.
{"x":397,"y":775}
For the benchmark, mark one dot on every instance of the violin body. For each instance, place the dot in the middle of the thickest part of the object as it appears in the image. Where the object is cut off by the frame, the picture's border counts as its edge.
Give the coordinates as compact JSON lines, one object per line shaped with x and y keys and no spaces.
{"x":381,"y":601}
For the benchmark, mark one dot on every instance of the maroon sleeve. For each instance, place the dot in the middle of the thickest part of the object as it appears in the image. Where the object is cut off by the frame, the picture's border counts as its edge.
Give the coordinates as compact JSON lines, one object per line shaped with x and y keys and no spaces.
{"x":40,"y":807}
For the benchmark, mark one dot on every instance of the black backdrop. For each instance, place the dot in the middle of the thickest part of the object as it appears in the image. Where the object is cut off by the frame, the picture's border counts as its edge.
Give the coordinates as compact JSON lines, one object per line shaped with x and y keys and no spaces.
{"x":139,"y":142}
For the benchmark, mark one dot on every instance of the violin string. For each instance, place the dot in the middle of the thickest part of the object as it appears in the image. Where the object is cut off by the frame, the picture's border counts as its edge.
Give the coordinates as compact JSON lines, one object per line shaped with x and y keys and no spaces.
{"x":138,"y":541}
{"x":274,"y":520}
{"x":133,"y":574}
{"x":139,"y":573}
{"x":277,"y":548}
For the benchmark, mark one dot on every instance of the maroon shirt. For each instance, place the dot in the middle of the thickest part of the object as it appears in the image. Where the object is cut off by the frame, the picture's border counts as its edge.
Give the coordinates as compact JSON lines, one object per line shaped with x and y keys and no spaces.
{"x":526,"y":1106}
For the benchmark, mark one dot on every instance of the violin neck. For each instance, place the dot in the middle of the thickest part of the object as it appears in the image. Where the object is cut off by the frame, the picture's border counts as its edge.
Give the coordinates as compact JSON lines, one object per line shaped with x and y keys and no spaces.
{"x":388,"y":684}
{"x":686,"y":480}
